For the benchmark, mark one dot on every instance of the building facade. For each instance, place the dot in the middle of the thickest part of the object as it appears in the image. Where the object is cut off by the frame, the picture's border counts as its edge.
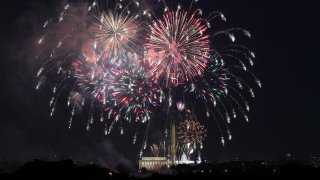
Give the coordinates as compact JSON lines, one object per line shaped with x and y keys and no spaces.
{"x":153,"y":163}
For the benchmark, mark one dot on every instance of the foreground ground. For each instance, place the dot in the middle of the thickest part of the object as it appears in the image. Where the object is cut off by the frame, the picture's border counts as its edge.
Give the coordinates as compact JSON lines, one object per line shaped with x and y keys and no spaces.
{"x":69,"y":169}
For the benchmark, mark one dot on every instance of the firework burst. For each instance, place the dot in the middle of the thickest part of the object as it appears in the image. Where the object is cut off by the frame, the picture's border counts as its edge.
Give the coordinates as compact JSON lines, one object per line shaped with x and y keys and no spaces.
{"x":135,"y":93}
{"x":115,"y":33}
{"x":178,"y":48}
{"x":123,"y":91}
{"x":191,"y":132}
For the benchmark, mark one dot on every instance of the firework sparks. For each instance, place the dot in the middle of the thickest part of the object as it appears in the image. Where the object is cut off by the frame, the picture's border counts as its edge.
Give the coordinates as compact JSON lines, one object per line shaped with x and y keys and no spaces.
{"x":115,"y":33}
{"x":135,"y":93}
{"x":191,"y":135}
{"x":124,"y":90}
{"x":191,"y":132}
{"x":155,"y":150}
{"x":178,"y":48}
{"x":127,"y":74}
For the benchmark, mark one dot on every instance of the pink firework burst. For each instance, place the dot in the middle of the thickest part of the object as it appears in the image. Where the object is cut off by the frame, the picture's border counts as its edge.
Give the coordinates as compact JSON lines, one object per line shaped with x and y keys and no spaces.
{"x":178,"y":47}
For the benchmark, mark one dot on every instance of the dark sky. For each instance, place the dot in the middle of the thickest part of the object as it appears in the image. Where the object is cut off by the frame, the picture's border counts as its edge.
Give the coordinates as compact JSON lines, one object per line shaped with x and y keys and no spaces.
{"x":284,"y":114}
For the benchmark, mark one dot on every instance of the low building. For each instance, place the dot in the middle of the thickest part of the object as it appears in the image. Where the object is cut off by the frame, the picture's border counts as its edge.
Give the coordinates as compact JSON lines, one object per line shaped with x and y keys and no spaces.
{"x":153,"y":163}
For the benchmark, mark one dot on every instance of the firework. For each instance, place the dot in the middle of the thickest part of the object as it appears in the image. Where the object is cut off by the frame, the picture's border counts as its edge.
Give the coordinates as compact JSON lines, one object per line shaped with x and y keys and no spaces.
{"x":106,"y":63}
{"x":180,"y":106}
{"x":178,"y":47}
{"x":115,"y":33}
{"x":191,"y":135}
{"x":187,"y":58}
{"x":134,"y":93}
{"x":191,"y":132}
{"x":92,"y":63}
{"x":123,"y":91}
{"x":155,"y":150}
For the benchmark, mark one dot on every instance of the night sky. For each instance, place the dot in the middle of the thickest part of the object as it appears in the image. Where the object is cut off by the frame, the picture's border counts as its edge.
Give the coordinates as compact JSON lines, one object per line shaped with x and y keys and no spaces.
{"x":283,"y":116}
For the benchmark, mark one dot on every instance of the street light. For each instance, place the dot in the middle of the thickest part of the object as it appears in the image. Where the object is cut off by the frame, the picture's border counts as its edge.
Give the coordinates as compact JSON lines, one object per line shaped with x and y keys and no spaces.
{"x":110,"y":174}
